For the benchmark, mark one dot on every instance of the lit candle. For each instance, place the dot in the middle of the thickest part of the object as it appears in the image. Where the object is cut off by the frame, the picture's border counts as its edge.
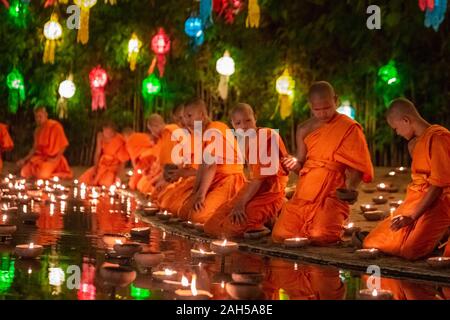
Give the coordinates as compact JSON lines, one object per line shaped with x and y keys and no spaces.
{"x":130,"y":173}
{"x":367,"y":253}
{"x":368,"y":207}
{"x":166,"y":274}
{"x":224,"y":247}
{"x":139,"y":171}
{"x":374,"y":294}
{"x":380,"y":200}
{"x":439,"y":262}
{"x":350,"y":228}
{"x":75,"y":182}
{"x":296,"y":242}
{"x":193,"y":293}
{"x":29,"y":251}
{"x":382,"y":186}
{"x":202,"y":254}
{"x":391,"y":173}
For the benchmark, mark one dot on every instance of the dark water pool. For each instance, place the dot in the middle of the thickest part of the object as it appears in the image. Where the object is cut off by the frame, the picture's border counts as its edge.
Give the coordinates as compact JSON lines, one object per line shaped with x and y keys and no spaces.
{"x":71,"y":232}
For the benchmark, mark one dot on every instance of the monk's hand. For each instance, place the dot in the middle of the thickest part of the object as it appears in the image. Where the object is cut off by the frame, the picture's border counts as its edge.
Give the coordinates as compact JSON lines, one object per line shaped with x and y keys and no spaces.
{"x":290,"y":164}
{"x":399,"y":222}
{"x":199,"y":201}
{"x":238,"y":215}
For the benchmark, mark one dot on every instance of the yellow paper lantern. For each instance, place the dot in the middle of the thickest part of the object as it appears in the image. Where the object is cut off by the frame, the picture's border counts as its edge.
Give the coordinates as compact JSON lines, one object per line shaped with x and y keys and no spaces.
{"x":83,"y":31}
{"x":134,"y":45}
{"x":285,"y":86}
{"x":52,"y":32}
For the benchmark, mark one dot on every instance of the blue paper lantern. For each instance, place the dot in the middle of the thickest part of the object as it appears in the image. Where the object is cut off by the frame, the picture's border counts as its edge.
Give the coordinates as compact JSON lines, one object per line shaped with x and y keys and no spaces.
{"x":347,"y":110}
{"x":434,"y":17}
{"x":193,"y":27}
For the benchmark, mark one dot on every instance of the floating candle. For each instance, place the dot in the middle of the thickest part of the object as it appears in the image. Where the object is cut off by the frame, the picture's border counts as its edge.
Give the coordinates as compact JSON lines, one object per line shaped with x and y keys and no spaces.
{"x":350,"y":228}
{"x":166,"y":274}
{"x":202,"y":254}
{"x":28,"y":251}
{"x":193,"y":293}
{"x":367,"y":253}
{"x":224,"y":247}
{"x":148,"y":259}
{"x":439,"y":262}
{"x":380,"y":200}
{"x":368,"y":207}
{"x":296,"y":242}
{"x":374,"y":294}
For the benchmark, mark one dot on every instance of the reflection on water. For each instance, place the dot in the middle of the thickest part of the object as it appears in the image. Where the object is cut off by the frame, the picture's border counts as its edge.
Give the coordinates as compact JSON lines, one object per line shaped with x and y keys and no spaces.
{"x":71,"y":229}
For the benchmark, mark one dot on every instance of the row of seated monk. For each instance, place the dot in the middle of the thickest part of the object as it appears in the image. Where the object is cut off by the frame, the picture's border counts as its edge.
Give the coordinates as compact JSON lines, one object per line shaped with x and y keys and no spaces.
{"x":332,"y":153}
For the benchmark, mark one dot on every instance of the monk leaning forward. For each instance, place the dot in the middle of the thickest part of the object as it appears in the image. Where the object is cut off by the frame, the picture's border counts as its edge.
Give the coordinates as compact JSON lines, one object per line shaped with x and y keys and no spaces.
{"x":424,"y":216}
{"x":259,"y":201}
{"x":330,"y":146}
{"x":46,"y":158}
{"x":109,"y":159}
{"x":6,"y":143}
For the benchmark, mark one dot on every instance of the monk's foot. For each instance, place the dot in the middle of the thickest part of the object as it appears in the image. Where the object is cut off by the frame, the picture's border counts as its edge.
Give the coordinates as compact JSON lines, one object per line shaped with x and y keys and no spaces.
{"x":358,"y":238}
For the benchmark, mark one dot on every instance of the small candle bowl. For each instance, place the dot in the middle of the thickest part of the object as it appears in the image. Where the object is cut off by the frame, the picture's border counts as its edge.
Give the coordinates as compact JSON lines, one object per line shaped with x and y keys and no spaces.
{"x":187,"y":294}
{"x":439,"y":262}
{"x":7,"y":229}
{"x":143,"y":232}
{"x":402,"y":170}
{"x":346,"y":195}
{"x":390,"y":174}
{"x":164,"y":216}
{"x":374,"y":215}
{"x":224,"y":247}
{"x":148,"y":259}
{"x":117,"y":276}
{"x":243,"y":290}
{"x":367,"y":253}
{"x":247,"y":277}
{"x":368,"y":207}
{"x":187,"y":224}
{"x":369,"y":294}
{"x":127,"y":249}
{"x":392,"y":189}
{"x":257,"y":234}
{"x":28,"y":251}
{"x":162,"y":275}
{"x":368,"y":188}
{"x":395,"y":204}
{"x":350,"y":228}
{"x":380,"y":200}
{"x":150,"y":211}
{"x":110,"y":239}
{"x":297,"y":242}
{"x":202,"y":254}
{"x":199,"y":227}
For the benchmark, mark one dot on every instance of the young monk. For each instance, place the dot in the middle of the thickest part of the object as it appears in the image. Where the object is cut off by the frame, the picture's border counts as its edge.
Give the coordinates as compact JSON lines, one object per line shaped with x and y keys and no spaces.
{"x":161,"y":132}
{"x":139,"y":146}
{"x":330,"y":146}
{"x":178,"y":115}
{"x":424,"y":216}
{"x":219,"y":176}
{"x":6,"y":143}
{"x":261,"y":198}
{"x":46,"y":158}
{"x":109,"y":159}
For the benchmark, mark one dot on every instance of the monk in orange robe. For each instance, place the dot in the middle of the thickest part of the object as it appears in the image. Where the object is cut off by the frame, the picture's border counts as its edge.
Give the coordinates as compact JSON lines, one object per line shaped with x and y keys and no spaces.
{"x":6,"y":143}
{"x":154,"y":181}
{"x":46,"y":159}
{"x":260,"y":200}
{"x":109,"y":159}
{"x":219,"y":176}
{"x":140,"y":149}
{"x":424,"y":216}
{"x":330,"y":147}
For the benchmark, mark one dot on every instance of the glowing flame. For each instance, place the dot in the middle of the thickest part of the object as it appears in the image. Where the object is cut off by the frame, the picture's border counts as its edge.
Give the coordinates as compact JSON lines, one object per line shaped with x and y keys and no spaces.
{"x":169,"y":272}
{"x":374,"y":293}
{"x":222,"y":284}
{"x":31,"y":246}
{"x":184,"y":282}
{"x":139,"y":171}
{"x":4,"y":217}
{"x":440,"y":259}
{"x":350,"y":225}
{"x":130,"y":173}
{"x":118,"y":241}
{"x":202,"y":251}
{"x":382,"y":185}
{"x":193,"y":286}
{"x":224,"y":243}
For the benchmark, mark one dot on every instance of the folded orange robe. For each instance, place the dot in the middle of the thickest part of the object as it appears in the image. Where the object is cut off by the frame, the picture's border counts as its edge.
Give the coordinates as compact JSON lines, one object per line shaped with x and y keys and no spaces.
{"x":266,"y":203}
{"x":49,"y":140}
{"x":431,"y":157}
{"x":228,"y":180}
{"x":113,"y":154}
{"x":163,"y":152}
{"x":139,"y":147}
{"x":6,"y":143}
{"x":314,"y":211}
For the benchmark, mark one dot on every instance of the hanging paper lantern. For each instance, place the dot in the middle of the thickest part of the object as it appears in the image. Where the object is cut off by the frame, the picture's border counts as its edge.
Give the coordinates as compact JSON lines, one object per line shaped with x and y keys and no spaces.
{"x":98,"y":79}
{"x":436,"y":15}
{"x":18,"y":11}
{"x":228,"y":9}
{"x":347,"y":110}
{"x":225,"y":67}
{"x":254,"y":14}
{"x":52,"y":32}
{"x":160,"y":46}
{"x":389,"y":74}
{"x":206,"y":13}
{"x":5,"y":3}
{"x":66,"y":91}
{"x":16,"y":87}
{"x":83,"y":31}
{"x":193,"y":27}
{"x":151,"y":86}
{"x":134,"y":45}
{"x":426,"y":4}
{"x":285,"y":86}
{"x":389,"y":84}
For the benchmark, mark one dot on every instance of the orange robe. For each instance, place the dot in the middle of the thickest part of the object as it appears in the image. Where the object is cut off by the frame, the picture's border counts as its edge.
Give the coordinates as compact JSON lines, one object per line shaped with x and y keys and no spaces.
{"x":265,"y":204}
{"x":113,"y":154}
{"x":6,"y":143}
{"x":227,"y":181}
{"x":314,"y":211}
{"x":49,"y":140}
{"x":139,"y":147}
{"x":431,"y":157}
{"x":163,"y":151}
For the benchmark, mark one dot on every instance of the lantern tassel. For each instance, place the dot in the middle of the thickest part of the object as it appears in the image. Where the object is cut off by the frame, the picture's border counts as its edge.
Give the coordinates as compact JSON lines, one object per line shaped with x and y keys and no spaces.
{"x":285,"y":106}
{"x":132,"y":59}
{"x":49,"y":52}
{"x":83,"y":32}
{"x":98,"y":99}
{"x":151,"y":69}
{"x":254,"y":13}
{"x":49,"y":3}
{"x":206,"y":13}
{"x":223,"y":87}
{"x":61,"y":108}
{"x":161,"y":64}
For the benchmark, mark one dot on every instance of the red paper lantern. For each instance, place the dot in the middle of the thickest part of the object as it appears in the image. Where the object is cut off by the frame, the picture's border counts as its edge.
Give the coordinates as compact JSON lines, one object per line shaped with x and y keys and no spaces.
{"x":5,"y":3}
{"x":426,"y":4}
{"x":161,"y":46}
{"x":98,"y":79}
{"x":228,"y":9}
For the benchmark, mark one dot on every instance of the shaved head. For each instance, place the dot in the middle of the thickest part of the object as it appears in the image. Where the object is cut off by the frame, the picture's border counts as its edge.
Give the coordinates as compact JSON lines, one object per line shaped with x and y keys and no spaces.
{"x":195,"y":110}
{"x":321,"y":88}
{"x":197,"y":104}
{"x":155,"y":124}
{"x":155,"y":118}
{"x":242,"y":108}
{"x":243,"y":117}
{"x":40,"y":115}
{"x":403,"y":117}
{"x":322,"y":100}
{"x":400,"y":108}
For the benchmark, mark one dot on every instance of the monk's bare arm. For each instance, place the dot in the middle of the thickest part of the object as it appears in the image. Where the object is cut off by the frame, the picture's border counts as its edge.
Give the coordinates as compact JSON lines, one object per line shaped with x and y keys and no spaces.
{"x":354,"y":178}
{"x":296,"y":164}
{"x":207,"y":177}
{"x":238,"y":213}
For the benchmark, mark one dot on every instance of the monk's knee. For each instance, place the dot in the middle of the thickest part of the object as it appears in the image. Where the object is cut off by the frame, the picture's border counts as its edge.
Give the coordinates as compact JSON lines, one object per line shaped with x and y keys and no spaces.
{"x":411,"y":252}
{"x":324,"y":238}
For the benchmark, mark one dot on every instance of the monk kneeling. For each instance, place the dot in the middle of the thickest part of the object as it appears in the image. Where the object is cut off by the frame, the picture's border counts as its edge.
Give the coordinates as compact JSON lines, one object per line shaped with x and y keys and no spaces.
{"x":330,"y":146}
{"x":260,"y":200}
{"x":424,"y":216}
{"x":109,"y":159}
{"x":6,"y":143}
{"x":46,"y":159}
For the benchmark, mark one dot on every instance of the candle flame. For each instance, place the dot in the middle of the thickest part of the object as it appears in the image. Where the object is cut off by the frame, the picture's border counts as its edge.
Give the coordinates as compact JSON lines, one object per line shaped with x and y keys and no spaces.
{"x":222,"y":284}
{"x":118,"y":241}
{"x":139,"y":171}
{"x":169,"y":272}
{"x":31,"y":246}
{"x":350,"y":225}
{"x":382,"y":185}
{"x":440,"y":259}
{"x":374,"y":293}
{"x":202,"y":251}
{"x":193,"y":286}
{"x":184,"y":282}
{"x":224,"y":243}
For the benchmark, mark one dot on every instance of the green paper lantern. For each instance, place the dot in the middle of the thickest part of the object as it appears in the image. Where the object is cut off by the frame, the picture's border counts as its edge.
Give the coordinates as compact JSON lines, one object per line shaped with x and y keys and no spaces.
{"x":389,"y":84}
{"x":151,"y":86}
{"x":18,"y":12}
{"x":389,"y":74}
{"x":16,"y":87}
